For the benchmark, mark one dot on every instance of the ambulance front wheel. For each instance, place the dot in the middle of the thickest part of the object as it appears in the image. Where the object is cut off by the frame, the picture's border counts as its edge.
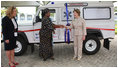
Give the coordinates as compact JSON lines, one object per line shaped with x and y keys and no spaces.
{"x":21,"y":46}
{"x":91,"y":45}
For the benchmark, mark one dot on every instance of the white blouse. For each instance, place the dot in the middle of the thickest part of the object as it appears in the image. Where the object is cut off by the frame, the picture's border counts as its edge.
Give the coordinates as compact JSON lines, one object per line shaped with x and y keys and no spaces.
{"x":14,"y":22}
{"x":15,"y":26}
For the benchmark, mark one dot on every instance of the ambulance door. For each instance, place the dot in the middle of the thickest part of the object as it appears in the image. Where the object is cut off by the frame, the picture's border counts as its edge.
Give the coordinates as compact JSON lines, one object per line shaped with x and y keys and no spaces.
{"x":64,"y":20}
{"x":37,"y":24}
{"x":54,"y":18}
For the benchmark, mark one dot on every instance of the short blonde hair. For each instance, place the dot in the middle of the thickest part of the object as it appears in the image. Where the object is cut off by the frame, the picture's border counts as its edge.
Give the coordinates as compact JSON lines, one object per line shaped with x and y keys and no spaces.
{"x":9,"y":11}
{"x":77,"y":10}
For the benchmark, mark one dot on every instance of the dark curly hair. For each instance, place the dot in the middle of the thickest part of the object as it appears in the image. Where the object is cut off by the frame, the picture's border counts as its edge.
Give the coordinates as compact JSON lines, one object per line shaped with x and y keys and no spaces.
{"x":44,"y":12}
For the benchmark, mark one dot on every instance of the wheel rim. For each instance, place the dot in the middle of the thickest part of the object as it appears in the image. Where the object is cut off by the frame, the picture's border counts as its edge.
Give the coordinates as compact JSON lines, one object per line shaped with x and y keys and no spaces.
{"x":19,"y":47}
{"x":90,"y":45}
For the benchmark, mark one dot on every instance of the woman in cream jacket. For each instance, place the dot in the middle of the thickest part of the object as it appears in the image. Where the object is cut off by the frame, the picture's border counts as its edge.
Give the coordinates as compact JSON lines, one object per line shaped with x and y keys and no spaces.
{"x":78,"y":24}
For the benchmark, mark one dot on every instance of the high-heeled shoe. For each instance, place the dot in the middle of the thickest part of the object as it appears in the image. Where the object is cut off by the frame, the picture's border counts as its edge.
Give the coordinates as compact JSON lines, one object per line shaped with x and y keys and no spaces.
{"x":11,"y":65}
{"x":15,"y":63}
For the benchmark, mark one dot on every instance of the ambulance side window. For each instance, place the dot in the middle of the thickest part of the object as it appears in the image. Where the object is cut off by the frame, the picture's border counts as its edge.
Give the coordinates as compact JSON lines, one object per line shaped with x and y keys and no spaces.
{"x":53,"y":15}
{"x":96,"y":13}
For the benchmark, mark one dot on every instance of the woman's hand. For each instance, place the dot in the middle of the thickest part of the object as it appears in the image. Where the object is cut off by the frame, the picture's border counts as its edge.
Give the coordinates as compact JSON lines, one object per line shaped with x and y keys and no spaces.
{"x":53,"y":32}
{"x":58,"y":26}
{"x":61,"y":26}
{"x":66,"y":27}
{"x":7,"y":41}
{"x":83,"y":38}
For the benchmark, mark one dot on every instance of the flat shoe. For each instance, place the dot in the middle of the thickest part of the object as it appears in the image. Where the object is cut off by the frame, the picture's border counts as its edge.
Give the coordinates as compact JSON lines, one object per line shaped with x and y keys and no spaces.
{"x":78,"y":59}
{"x":74,"y":58}
{"x":52,"y":58}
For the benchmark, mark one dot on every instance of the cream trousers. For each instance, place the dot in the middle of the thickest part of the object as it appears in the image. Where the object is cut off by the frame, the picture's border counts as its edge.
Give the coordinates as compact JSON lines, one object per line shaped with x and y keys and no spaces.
{"x":78,"y":41}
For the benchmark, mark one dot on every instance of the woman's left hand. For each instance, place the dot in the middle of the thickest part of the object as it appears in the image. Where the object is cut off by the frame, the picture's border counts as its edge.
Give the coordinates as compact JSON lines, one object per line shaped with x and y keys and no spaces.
{"x":53,"y":32}
{"x":83,"y":37}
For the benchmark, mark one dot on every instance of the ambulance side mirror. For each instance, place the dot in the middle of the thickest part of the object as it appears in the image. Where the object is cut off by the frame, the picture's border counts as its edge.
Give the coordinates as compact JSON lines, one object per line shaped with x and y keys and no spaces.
{"x":38,"y":19}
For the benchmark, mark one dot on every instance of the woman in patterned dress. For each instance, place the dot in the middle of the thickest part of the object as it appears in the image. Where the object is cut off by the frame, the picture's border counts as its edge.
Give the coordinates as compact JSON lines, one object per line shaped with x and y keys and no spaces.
{"x":45,"y":47}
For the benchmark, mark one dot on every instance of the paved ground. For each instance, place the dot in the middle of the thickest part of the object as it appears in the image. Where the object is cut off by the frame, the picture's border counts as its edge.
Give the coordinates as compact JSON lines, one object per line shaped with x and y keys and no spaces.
{"x":63,"y":57}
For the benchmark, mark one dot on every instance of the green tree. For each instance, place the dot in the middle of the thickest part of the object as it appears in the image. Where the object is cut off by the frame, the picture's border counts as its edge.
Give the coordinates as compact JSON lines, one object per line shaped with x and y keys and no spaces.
{"x":115,"y":9}
{"x":3,"y":12}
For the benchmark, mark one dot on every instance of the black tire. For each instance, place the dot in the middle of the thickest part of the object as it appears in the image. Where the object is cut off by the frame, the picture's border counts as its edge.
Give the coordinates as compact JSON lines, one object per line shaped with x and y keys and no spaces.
{"x":20,"y":42}
{"x":95,"y":48}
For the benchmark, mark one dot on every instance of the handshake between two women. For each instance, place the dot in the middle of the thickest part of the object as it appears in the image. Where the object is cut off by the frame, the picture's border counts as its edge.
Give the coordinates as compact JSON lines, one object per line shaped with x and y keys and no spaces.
{"x":62,"y":26}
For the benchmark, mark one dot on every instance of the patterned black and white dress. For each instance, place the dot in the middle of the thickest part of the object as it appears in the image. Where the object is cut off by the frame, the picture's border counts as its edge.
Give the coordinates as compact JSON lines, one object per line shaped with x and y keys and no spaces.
{"x":45,"y":47}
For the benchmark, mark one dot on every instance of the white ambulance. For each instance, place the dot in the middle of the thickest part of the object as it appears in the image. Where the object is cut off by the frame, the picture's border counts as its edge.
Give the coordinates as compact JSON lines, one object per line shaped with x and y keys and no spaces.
{"x":98,"y":15}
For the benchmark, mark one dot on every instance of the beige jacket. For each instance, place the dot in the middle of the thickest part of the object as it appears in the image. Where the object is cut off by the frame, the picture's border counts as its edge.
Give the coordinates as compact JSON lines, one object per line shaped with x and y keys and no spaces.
{"x":79,"y":26}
